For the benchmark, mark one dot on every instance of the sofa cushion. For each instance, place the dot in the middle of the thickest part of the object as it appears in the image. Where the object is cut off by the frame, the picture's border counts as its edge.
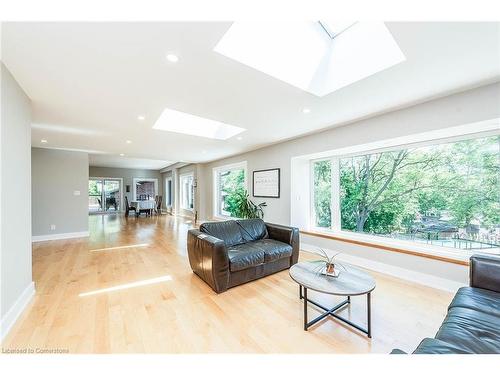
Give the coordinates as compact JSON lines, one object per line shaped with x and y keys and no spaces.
{"x":477,"y":299}
{"x":435,"y":346}
{"x":471,"y":330}
{"x":253,"y":229}
{"x":244,"y":256}
{"x":273,"y":249}
{"x":228,"y":231}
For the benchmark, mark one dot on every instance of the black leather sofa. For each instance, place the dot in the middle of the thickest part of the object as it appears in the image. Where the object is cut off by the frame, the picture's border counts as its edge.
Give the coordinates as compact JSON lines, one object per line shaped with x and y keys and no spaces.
{"x":472,"y":325}
{"x":229,"y":253}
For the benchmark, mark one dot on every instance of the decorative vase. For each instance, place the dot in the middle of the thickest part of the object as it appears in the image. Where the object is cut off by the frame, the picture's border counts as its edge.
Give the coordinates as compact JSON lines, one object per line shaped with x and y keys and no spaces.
{"x":330,"y":268}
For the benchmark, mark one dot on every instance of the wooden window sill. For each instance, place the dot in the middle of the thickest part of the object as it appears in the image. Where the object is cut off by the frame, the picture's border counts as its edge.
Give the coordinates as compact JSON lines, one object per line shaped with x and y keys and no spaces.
{"x":386,"y":247}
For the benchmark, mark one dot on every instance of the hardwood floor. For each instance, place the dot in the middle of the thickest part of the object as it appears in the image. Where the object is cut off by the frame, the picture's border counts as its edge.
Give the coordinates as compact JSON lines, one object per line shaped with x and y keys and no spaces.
{"x":129,"y":288}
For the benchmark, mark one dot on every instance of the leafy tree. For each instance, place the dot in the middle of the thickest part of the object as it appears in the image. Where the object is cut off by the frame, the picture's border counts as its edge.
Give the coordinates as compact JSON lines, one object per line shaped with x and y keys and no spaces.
{"x":322,"y":193}
{"x":93,"y":188}
{"x":374,"y":185}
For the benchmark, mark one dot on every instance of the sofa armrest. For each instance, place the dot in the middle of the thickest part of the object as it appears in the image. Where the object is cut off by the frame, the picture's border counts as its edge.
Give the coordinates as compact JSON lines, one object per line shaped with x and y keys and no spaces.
{"x":208,"y":259}
{"x":398,"y":351}
{"x":289,"y":235}
{"x":484,"y":272}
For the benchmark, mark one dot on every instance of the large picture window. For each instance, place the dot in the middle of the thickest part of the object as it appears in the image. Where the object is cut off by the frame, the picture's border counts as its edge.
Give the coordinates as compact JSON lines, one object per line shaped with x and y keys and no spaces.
{"x":443,"y":194}
{"x":230,"y":188}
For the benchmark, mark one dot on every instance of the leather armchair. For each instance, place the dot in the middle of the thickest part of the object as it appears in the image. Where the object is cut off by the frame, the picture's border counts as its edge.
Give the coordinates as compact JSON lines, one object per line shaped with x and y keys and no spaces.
{"x":484,"y":272}
{"x":231,"y":253}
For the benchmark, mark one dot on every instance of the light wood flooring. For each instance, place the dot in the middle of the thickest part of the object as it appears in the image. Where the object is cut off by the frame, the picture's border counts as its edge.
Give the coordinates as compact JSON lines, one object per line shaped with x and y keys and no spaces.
{"x":129,"y":288}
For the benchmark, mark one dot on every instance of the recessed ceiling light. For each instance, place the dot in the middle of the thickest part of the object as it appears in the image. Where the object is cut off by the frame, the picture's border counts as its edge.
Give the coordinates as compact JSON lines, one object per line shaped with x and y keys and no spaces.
{"x":239,"y":138}
{"x":122,"y":154}
{"x":306,"y":110}
{"x":140,"y":117}
{"x":43,"y":141}
{"x":172,"y":58}
{"x":128,"y":141}
{"x":185,"y":123}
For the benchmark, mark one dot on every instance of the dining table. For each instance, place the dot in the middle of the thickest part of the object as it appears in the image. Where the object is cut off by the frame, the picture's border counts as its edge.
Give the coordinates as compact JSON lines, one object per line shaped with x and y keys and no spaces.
{"x":146,"y":206}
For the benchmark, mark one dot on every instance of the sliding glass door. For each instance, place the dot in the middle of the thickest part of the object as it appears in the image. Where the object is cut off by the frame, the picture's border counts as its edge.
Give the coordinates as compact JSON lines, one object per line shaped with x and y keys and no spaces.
{"x":95,"y":196}
{"x":105,"y":195}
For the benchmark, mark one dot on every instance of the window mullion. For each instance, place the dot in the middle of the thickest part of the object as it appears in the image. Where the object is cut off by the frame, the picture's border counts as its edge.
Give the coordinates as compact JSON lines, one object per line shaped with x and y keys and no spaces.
{"x":335,"y":198}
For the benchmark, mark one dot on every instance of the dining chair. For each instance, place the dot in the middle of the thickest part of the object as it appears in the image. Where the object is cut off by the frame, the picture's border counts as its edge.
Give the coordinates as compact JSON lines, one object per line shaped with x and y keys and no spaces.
{"x":159,"y":201}
{"x":129,"y":208}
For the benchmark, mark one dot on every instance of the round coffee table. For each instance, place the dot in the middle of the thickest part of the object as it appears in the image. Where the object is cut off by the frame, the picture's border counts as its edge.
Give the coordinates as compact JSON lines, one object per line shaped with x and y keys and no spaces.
{"x":351,"y":282}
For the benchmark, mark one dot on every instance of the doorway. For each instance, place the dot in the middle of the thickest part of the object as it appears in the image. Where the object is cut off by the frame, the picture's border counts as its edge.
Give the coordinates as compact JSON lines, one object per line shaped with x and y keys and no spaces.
{"x":145,"y":189}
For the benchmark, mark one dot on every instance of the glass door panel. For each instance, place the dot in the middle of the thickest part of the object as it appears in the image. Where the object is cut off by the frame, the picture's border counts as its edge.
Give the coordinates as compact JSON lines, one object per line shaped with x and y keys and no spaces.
{"x":112,"y":195}
{"x":95,"y":196}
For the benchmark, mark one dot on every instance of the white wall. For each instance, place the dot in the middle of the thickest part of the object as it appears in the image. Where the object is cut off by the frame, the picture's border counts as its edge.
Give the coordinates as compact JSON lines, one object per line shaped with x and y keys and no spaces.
{"x":57,"y":177}
{"x":17,"y":286}
{"x":471,"y":106}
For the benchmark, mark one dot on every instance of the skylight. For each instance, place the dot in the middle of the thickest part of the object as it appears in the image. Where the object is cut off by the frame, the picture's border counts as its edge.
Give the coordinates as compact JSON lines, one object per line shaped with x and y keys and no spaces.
{"x":317,"y":57}
{"x":184,"y":123}
{"x":334,"y":28}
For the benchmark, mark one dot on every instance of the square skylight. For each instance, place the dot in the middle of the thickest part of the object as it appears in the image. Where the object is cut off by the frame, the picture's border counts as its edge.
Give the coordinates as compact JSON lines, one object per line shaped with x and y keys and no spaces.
{"x":317,"y":57}
{"x":335,"y":27}
{"x":185,"y":123}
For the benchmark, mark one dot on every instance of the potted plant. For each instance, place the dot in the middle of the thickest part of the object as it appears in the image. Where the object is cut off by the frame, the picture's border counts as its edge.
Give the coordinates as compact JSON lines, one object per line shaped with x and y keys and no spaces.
{"x":329,"y":266}
{"x":240,"y":206}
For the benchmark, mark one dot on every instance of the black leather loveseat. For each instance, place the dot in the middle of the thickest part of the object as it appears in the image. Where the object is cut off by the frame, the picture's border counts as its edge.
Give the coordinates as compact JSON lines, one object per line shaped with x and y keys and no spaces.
{"x":473,"y":321}
{"x":229,"y":253}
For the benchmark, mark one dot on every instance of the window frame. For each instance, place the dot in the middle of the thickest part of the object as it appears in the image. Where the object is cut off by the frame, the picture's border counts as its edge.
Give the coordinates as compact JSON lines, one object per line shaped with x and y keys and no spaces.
{"x":169,"y":202}
{"x":181,"y":191}
{"x":311,"y":191}
{"x":335,"y":230}
{"x":216,"y":214}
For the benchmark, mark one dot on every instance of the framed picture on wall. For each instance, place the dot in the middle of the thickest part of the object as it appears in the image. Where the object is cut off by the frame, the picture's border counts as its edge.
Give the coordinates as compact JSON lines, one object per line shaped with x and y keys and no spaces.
{"x":266,"y":183}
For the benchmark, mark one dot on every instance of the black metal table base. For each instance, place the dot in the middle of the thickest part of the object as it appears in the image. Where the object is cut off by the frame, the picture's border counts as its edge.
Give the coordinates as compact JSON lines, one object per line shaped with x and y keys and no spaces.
{"x":331,"y":312}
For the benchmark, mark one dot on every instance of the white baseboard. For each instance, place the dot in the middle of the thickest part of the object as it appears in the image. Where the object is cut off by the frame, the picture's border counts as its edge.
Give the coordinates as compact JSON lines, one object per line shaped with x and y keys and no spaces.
{"x":59,"y":236}
{"x":399,"y":272}
{"x":16,"y":310}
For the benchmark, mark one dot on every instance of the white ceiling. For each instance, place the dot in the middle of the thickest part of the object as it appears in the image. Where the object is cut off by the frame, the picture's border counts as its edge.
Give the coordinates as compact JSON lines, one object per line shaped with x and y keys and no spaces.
{"x":113,"y":161}
{"x":89,"y":82}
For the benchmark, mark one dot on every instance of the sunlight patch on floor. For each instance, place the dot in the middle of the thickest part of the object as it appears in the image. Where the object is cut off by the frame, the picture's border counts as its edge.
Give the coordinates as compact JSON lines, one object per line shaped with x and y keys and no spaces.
{"x":120,"y":247}
{"x":134,"y":284}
